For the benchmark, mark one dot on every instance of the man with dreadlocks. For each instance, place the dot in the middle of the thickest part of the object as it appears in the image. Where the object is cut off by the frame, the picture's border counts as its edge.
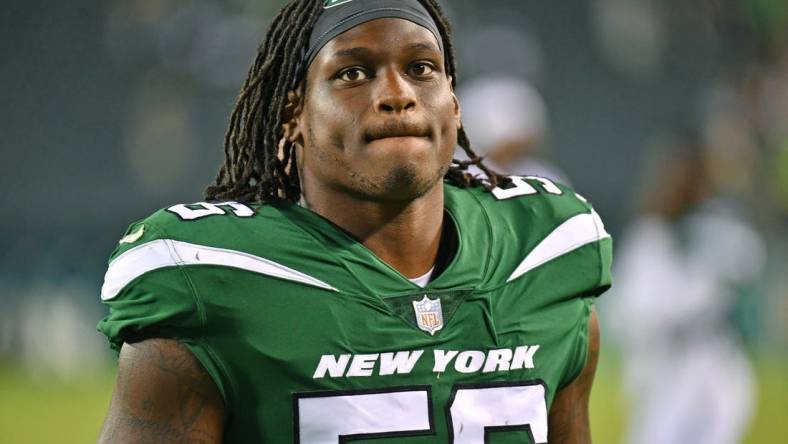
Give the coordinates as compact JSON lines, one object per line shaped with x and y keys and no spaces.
{"x":345,"y":278}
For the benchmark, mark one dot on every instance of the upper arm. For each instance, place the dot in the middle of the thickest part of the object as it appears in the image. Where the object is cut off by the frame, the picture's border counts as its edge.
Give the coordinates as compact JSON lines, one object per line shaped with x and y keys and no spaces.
{"x":568,"y":421}
{"x":163,"y":395}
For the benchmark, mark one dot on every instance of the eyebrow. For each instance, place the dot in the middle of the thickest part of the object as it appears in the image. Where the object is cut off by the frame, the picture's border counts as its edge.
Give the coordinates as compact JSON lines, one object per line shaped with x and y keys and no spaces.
{"x":424,"y":45}
{"x":353,"y":52}
{"x":361,"y":51}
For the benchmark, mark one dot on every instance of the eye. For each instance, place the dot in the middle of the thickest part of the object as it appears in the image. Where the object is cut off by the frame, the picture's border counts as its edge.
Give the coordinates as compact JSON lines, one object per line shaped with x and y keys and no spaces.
{"x":422,"y":69}
{"x":353,"y":75}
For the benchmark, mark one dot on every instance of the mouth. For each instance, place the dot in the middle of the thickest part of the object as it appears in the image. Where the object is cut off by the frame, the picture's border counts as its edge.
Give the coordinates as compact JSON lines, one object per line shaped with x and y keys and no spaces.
{"x":397,"y":130}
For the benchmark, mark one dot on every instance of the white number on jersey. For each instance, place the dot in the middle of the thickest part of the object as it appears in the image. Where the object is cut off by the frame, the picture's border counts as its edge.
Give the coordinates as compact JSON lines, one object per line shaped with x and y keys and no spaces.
{"x":522,"y":188}
{"x":477,"y":411}
{"x":474,"y":412}
{"x":204,"y":209}
{"x":326,"y":419}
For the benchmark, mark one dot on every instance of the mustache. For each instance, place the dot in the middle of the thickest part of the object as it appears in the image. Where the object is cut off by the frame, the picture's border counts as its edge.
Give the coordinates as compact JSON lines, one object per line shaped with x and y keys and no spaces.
{"x":397,"y":128}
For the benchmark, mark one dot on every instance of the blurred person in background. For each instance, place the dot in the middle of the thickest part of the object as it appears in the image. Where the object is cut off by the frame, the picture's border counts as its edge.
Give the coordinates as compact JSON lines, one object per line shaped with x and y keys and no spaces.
{"x":680,"y":267}
{"x":506,"y":117}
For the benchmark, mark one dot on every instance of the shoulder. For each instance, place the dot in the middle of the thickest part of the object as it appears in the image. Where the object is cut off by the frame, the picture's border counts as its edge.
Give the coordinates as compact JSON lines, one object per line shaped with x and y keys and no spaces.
{"x":147,"y":286}
{"x":537,"y":196}
{"x":192,"y":220}
{"x":530,"y":206}
{"x":197,"y":234}
{"x":534,"y":221}
{"x":221,"y":225}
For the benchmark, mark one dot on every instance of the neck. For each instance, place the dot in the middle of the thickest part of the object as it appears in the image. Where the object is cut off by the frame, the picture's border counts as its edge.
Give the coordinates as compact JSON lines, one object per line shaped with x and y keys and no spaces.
{"x":405,"y":235}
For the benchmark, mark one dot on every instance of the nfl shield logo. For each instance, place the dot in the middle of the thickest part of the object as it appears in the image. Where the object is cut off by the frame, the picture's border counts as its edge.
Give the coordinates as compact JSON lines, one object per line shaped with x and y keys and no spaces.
{"x":429,"y":316}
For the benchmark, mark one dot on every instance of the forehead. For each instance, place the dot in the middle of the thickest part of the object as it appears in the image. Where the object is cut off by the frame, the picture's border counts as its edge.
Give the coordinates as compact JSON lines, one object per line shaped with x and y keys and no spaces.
{"x":385,"y":34}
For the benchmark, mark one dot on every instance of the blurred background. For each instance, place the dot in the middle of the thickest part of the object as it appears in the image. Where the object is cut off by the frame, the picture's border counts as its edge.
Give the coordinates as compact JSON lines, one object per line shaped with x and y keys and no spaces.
{"x":671,"y":116}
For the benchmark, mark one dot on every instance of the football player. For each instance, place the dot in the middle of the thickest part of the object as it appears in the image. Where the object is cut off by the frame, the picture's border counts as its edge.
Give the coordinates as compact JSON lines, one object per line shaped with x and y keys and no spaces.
{"x":346,"y":280}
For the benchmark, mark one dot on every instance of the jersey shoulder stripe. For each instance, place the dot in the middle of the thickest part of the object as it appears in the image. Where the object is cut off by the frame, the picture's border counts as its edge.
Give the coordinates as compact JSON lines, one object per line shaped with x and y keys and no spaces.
{"x":161,"y":253}
{"x":535,"y":222}
{"x":576,"y":232}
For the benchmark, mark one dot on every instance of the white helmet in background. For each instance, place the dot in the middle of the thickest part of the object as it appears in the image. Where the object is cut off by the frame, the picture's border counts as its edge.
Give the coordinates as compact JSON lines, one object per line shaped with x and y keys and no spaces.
{"x":498,"y":109}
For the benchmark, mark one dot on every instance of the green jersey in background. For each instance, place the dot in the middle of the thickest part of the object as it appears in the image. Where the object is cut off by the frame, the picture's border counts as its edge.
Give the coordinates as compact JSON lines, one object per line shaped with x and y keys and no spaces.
{"x":311,"y":338}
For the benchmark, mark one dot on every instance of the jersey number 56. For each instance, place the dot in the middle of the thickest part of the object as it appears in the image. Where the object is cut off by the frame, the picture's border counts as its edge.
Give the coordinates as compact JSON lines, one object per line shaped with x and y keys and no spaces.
{"x":473,"y":412}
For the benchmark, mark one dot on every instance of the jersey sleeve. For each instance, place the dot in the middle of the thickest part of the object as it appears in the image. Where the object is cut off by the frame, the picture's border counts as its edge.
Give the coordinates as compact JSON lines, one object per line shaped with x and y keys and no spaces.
{"x":580,"y":242}
{"x":147,"y":290}
{"x":550,"y":237}
{"x":554,"y":255}
{"x":590,"y":253}
{"x":603,"y":244}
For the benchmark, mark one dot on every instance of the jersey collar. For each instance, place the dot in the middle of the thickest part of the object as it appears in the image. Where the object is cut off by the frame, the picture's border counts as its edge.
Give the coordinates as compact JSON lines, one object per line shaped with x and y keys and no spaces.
{"x":359,"y":270}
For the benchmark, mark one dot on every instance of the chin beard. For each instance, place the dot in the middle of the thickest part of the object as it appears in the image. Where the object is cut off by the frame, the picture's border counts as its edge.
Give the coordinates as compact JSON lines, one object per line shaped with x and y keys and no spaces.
{"x":402,"y":183}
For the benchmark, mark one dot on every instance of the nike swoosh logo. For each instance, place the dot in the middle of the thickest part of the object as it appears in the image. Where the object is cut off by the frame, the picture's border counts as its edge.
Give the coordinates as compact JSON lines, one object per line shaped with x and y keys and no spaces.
{"x":133,"y":237}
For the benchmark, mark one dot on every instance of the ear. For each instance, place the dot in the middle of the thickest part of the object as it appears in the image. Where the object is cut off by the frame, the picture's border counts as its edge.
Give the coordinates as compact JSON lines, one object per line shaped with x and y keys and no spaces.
{"x":291,"y":115}
{"x":457,"y":110}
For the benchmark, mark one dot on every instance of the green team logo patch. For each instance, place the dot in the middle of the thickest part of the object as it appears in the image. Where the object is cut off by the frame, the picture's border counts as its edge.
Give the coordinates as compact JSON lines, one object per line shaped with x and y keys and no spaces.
{"x":332,"y":3}
{"x":133,"y":237}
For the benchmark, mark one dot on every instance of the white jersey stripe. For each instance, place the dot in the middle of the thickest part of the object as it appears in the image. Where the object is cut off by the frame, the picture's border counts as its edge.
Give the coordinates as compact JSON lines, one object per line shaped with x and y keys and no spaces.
{"x":579,"y":230}
{"x":167,"y":252}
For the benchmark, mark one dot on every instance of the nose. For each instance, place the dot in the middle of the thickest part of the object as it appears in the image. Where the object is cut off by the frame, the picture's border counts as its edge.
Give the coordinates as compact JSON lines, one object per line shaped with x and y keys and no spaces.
{"x":394,"y":94}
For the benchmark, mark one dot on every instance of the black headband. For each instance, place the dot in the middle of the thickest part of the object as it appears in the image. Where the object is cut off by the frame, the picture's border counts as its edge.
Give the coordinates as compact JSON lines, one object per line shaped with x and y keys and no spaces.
{"x":339,"y":16}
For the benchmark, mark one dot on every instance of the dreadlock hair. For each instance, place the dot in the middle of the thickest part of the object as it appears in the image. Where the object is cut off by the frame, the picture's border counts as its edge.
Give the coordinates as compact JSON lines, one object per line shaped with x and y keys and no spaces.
{"x":260,"y":164}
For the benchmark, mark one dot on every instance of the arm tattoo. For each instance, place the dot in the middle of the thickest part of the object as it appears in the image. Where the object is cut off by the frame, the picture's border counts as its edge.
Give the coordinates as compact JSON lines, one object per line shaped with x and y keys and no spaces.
{"x":163,"y":395}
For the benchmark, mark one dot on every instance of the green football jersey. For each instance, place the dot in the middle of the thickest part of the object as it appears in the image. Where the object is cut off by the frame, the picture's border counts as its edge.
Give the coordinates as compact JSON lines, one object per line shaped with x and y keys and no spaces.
{"x":311,"y":338}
